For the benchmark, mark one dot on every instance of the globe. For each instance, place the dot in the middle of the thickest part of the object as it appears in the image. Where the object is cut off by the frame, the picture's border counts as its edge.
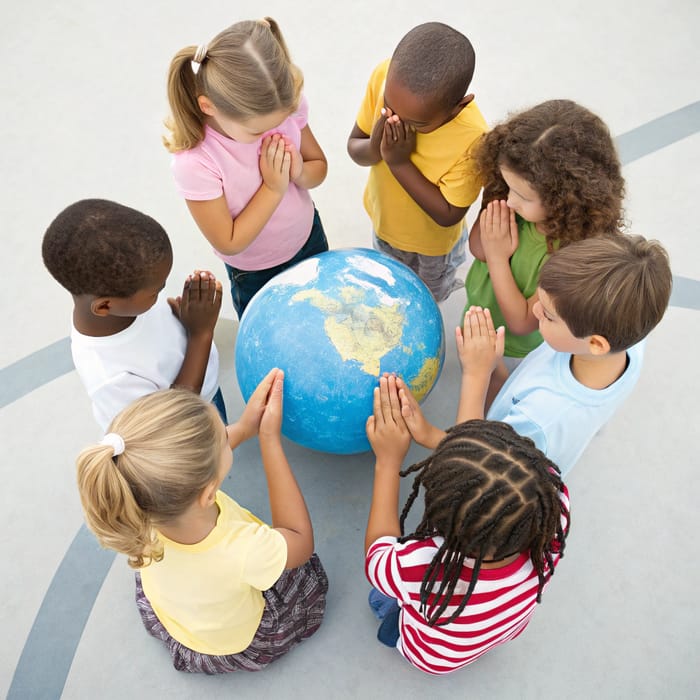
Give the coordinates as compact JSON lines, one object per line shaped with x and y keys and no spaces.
{"x":334,"y":323}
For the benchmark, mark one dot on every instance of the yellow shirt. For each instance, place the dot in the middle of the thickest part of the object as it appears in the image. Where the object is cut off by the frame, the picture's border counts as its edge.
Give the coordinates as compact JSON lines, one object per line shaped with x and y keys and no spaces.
{"x":208,"y":595}
{"x":442,"y":156}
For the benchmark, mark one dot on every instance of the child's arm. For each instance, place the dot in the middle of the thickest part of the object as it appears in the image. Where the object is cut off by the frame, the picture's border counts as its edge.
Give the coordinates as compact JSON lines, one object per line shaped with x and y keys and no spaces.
{"x":499,"y":238}
{"x":308,"y":167}
{"x":231,"y":236}
{"x":480,"y":349}
{"x":289,"y":513}
{"x":475,"y":246}
{"x":388,"y":434}
{"x":248,"y":424}
{"x":398,"y":142}
{"x":422,"y":431}
{"x":198,"y":310}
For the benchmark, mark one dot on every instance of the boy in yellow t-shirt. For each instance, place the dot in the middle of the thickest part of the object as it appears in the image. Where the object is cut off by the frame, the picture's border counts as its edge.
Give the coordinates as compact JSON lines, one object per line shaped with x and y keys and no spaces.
{"x":415,"y":129}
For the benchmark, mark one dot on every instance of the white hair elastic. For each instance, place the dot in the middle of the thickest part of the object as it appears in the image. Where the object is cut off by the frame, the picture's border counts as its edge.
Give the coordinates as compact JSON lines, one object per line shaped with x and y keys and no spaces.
{"x":115,"y":441}
{"x":199,"y":55}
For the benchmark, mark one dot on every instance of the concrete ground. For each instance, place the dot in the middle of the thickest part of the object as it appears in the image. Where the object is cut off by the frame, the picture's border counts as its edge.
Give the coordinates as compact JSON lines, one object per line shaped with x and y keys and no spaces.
{"x":83,"y":87}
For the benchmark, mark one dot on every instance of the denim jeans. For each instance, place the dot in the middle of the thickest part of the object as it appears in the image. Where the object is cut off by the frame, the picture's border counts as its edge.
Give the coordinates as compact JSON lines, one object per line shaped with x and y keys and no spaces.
{"x":246,"y":283}
{"x":218,"y":402}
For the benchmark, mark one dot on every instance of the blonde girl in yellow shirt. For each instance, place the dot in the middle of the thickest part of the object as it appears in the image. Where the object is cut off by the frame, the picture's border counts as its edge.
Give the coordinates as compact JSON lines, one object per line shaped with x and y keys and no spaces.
{"x":222,"y":589}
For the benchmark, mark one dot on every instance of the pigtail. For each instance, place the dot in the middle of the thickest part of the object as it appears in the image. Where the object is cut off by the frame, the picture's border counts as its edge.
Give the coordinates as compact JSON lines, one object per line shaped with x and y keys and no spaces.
{"x":111,"y":511}
{"x":186,"y":123}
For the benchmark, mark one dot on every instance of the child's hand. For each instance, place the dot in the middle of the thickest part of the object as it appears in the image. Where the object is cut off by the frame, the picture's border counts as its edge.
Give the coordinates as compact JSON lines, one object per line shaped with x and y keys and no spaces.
{"x":499,"y":231}
{"x":422,"y":431}
{"x":249,"y":422}
{"x":198,"y":307}
{"x":387,"y":431}
{"x":398,"y":141}
{"x":479,"y":344}
{"x":275,"y":163}
{"x":296,"y":166}
{"x":375,"y":138}
{"x":271,"y":422}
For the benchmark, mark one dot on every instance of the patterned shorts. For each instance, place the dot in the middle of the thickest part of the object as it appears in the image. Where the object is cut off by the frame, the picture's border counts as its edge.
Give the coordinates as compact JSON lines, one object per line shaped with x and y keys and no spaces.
{"x":294,"y":609}
{"x":438,"y":272}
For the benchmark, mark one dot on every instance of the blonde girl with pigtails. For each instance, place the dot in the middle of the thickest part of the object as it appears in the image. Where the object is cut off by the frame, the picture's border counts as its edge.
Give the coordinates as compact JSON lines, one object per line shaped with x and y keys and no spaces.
{"x":223,"y":590}
{"x":244,"y":156}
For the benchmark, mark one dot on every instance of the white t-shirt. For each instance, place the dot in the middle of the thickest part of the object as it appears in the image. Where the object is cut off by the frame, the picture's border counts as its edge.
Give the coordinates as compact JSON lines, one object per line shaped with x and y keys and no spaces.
{"x":143,"y":358}
{"x":545,"y":402}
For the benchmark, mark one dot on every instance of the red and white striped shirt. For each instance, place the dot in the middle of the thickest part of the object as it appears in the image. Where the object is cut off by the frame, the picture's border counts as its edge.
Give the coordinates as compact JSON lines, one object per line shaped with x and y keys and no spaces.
{"x":498,"y":610}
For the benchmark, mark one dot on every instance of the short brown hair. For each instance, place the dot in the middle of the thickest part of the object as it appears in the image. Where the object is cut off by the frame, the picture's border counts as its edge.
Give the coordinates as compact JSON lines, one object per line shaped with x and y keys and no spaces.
{"x":615,"y":286}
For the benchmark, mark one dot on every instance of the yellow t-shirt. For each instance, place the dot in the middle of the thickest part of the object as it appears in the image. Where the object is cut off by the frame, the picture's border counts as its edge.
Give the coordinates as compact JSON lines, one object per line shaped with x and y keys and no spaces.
{"x":442,"y":156}
{"x":208,"y":595}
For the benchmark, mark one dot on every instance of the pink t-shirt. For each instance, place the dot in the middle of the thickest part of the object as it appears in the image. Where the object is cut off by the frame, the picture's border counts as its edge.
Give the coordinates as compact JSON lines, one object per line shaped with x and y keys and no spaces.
{"x":220,"y":165}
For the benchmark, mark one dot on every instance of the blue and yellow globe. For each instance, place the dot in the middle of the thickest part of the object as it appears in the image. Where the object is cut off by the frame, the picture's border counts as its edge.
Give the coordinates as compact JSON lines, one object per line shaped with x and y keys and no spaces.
{"x":334,"y":323}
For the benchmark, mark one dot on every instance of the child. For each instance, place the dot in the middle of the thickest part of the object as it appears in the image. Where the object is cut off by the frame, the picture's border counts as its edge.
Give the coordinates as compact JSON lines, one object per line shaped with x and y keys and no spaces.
{"x":551,"y":176}
{"x":126,"y":342}
{"x":415,"y":128}
{"x":493,"y":529}
{"x":598,"y":299}
{"x":221,"y":589}
{"x":244,"y":155}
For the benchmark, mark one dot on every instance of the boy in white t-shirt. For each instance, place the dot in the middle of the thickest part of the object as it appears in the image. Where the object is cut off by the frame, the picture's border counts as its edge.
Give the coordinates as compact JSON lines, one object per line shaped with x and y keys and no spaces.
{"x":125,"y":342}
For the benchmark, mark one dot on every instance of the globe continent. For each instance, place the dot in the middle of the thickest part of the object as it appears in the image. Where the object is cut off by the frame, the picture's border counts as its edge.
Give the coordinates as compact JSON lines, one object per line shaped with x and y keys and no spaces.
{"x":334,"y":323}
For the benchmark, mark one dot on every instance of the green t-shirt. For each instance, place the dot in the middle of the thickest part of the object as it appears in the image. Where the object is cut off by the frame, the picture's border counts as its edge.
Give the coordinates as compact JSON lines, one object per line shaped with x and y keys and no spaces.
{"x":525,"y":265}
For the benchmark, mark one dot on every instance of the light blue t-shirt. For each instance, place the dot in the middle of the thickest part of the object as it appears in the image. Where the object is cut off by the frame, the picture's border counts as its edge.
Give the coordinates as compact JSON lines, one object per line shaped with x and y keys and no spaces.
{"x":545,"y":402}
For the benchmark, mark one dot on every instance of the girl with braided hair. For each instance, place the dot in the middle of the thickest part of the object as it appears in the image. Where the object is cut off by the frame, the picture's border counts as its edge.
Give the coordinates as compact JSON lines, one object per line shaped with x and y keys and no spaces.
{"x":495,"y":522}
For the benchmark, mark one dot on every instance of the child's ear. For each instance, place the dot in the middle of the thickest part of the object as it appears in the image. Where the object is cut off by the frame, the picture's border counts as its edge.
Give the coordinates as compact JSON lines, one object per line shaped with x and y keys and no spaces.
{"x":598,"y":345}
{"x":461,"y":105}
{"x":205,"y":104}
{"x":101,"y":306}
{"x":207,"y":495}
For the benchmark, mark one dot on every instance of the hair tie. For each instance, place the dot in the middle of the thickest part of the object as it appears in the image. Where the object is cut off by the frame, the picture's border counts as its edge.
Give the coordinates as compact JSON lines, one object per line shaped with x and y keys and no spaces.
{"x":115,"y":441}
{"x":199,"y":55}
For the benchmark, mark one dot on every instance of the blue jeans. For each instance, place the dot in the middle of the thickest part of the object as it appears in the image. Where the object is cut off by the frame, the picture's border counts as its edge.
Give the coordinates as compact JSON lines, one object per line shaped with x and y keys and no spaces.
{"x":387,"y":610}
{"x":219,"y":405}
{"x":246,"y":283}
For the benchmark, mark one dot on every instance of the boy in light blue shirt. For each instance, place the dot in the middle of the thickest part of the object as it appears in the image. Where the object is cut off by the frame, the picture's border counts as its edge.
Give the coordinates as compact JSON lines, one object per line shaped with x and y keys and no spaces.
{"x":597,"y":301}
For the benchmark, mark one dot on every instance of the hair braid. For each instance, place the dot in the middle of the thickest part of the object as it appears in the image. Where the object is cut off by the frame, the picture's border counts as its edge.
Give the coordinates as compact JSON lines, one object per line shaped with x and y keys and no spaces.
{"x":489,"y":494}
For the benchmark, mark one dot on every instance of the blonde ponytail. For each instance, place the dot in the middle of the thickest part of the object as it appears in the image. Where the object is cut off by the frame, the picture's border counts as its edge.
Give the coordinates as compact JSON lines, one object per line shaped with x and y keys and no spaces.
{"x":247,"y":72}
{"x":111,"y":511}
{"x":172,"y":451}
{"x":186,"y":123}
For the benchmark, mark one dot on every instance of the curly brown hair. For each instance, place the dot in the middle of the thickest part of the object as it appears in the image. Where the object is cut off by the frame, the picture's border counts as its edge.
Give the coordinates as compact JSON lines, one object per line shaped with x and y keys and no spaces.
{"x":566,"y":153}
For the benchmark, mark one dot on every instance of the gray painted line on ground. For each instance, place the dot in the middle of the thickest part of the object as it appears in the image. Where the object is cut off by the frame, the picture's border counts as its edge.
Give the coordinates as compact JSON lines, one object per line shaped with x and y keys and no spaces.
{"x":658,"y":133}
{"x":48,"y":653}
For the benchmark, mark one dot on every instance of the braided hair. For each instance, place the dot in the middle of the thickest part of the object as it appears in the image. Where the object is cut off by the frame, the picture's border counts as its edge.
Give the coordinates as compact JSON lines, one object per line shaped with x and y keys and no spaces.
{"x":490,"y":494}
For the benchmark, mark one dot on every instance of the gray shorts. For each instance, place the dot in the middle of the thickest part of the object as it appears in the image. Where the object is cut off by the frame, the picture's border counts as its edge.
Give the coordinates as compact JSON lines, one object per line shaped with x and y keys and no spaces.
{"x":438,"y":272}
